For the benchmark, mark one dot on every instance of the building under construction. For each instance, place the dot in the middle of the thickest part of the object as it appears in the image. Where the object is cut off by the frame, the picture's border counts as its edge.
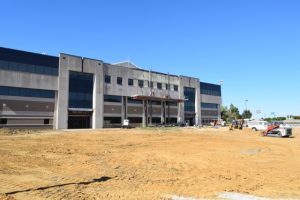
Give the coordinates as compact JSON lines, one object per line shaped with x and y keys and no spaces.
{"x":70,"y":91}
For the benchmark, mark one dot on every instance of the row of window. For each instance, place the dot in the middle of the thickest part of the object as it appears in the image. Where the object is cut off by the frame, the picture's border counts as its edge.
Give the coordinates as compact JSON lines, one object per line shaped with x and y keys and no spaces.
{"x":107,"y":79}
{"x":210,"y":89}
{"x":118,"y":99}
{"x":37,"y":69}
{"x":26,"y":92}
{"x":4,"y":121}
{"x":209,"y":105}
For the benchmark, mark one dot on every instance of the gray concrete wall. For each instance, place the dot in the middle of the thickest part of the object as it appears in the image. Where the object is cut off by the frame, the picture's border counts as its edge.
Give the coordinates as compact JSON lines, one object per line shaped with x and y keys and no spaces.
{"x":28,"y":80}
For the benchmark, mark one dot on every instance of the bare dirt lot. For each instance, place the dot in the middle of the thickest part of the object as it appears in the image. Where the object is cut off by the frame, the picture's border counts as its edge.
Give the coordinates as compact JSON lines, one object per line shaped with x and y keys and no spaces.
{"x":147,"y":164}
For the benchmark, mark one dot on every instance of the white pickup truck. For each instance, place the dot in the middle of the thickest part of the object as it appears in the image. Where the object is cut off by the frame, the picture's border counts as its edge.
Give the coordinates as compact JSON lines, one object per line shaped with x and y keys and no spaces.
{"x":258,"y":125}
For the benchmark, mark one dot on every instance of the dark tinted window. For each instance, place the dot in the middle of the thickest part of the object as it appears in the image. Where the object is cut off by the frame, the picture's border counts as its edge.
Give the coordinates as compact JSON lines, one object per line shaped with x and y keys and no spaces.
{"x":135,"y":119}
{"x":189,"y":103}
{"x":130,"y":81}
{"x":80,"y":90}
{"x":209,"y":105}
{"x":26,"y":92}
{"x":210,"y":89}
{"x":134,"y":101}
{"x":107,"y":79}
{"x":119,"y":80}
{"x":112,"y":98}
{"x":16,"y":60}
{"x":171,"y":103}
{"x":3,"y":121}
{"x":175,"y":87}
{"x":141,"y":83}
{"x":156,"y":102}
{"x":112,"y":120}
{"x":167,"y":86}
{"x":46,"y":121}
{"x":159,"y":86}
{"x":151,"y":84}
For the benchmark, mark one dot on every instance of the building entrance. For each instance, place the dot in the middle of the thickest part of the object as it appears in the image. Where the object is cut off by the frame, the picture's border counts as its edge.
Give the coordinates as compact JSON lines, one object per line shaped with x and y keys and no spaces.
{"x":79,"y":122}
{"x":79,"y":119}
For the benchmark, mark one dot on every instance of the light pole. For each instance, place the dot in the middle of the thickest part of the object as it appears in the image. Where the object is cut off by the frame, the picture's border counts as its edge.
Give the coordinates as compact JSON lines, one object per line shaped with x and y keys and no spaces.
{"x":246,"y":101}
{"x":221,"y":83}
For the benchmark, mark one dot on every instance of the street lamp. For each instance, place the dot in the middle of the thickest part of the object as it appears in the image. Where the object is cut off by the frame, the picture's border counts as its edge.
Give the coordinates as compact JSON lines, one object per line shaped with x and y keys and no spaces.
{"x":221,"y":82}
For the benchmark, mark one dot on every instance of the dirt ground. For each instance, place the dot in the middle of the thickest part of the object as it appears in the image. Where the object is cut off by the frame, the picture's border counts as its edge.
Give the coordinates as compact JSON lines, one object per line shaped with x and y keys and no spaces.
{"x":149,"y":163}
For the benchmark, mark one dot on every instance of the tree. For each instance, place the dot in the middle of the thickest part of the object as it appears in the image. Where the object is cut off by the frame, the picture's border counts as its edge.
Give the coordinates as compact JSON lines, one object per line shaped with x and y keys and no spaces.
{"x":246,"y":114}
{"x":230,"y":114}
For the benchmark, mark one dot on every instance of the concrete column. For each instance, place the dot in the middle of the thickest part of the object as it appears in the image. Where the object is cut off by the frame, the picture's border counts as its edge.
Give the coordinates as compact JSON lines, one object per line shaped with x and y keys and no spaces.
{"x":66,"y":63}
{"x":96,"y":67}
{"x":145,"y":113}
{"x":180,"y":113}
{"x":198,"y":121}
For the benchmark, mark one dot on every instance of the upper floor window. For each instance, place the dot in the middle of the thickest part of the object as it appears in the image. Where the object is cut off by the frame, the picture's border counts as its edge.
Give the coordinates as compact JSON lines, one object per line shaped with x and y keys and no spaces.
{"x":107,"y":79}
{"x":26,"y":92}
{"x":112,"y":98}
{"x":130,"y":82}
{"x":141,"y":83}
{"x":159,"y":86}
{"x":167,"y":86}
{"x":176,"y":88}
{"x":210,"y":89}
{"x":119,"y":80}
{"x":151,"y":84}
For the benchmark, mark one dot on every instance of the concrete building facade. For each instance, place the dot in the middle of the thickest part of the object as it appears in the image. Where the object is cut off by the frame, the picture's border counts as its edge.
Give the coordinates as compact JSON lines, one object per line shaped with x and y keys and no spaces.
{"x":75,"y":92}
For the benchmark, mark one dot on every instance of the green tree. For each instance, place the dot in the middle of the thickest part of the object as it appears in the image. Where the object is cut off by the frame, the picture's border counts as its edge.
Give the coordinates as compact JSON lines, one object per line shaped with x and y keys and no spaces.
{"x":233,"y":113}
{"x":246,"y":114}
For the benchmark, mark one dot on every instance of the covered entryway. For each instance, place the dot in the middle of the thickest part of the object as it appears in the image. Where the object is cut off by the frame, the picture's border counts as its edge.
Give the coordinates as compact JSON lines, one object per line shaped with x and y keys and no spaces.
{"x":79,"y":119}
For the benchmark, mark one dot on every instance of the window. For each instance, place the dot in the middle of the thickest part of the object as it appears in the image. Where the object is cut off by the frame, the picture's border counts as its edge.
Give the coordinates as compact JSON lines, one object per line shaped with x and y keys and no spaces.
{"x":134,"y":101}
{"x":130,"y":82}
{"x":209,"y":105}
{"x":135,"y":120}
{"x":155,"y":103}
{"x":112,"y":98}
{"x":171,"y":103}
{"x":3,"y":121}
{"x":141,"y":83}
{"x":119,"y":80}
{"x":151,"y":84}
{"x":176,"y":88}
{"x":26,"y":92}
{"x":112,"y":120}
{"x":107,"y":79}
{"x":21,"y":61}
{"x":46,"y":121}
{"x":81,"y":90}
{"x":159,"y":86}
{"x":210,"y":89}
{"x":189,"y":104}
{"x":167,"y":86}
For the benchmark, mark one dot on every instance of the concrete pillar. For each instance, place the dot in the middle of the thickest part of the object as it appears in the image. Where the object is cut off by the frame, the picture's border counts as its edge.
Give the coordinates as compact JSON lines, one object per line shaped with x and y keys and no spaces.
{"x":96,"y":67}
{"x":198,"y":121}
{"x":66,"y":63}
{"x":180,"y":113}
{"x":145,"y":113}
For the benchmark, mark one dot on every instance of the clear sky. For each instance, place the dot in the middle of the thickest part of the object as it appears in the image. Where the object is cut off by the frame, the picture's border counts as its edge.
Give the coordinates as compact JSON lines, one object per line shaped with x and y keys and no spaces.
{"x":253,"y":45}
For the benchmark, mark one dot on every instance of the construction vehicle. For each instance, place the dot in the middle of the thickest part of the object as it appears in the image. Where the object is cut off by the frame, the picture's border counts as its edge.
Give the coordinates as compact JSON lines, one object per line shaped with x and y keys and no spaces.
{"x":236,"y":124}
{"x":278,"y":130}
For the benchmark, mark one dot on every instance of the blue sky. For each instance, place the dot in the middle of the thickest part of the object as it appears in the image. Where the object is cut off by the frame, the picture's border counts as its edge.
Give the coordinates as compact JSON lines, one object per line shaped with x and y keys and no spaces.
{"x":253,"y":45}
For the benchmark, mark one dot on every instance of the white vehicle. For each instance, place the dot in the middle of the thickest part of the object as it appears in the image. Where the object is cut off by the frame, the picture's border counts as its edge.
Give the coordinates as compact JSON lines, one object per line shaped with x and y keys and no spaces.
{"x":258,"y":125}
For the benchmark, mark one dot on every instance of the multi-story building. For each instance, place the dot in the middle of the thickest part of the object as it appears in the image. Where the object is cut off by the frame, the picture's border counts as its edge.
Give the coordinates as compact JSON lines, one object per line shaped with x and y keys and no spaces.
{"x":69,"y":91}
